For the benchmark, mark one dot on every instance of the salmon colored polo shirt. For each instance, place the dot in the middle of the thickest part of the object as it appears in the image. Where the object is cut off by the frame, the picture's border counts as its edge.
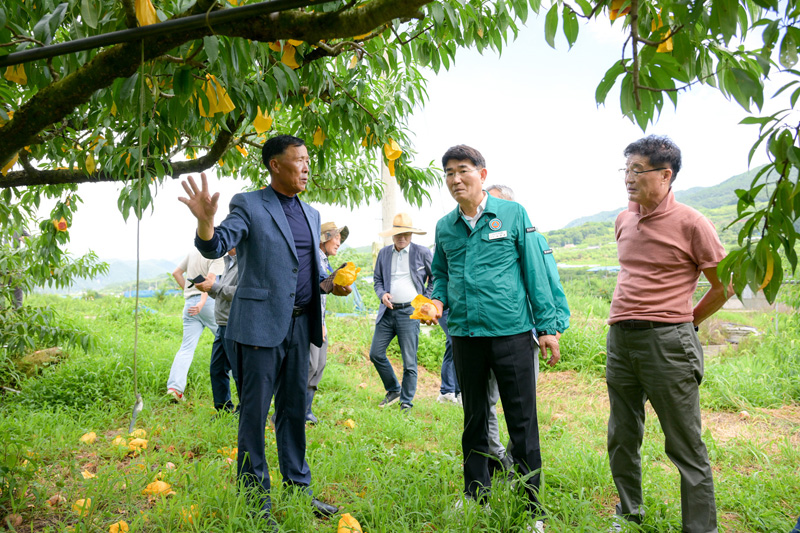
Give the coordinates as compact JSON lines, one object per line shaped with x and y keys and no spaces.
{"x":661,"y":256}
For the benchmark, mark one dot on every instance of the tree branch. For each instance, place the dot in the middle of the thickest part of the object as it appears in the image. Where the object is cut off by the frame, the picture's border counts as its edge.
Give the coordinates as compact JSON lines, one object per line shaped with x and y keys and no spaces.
{"x":635,"y":51}
{"x":420,"y":32}
{"x":130,"y":13}
{"x":32,"y":176}
{"x":215,"y":151}
{"x":594,"y":11}
{"x":354,"y":99}
{"x":54,"y":102}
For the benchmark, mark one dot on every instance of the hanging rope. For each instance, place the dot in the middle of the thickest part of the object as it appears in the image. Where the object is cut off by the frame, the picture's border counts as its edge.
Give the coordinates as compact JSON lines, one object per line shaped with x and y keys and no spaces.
{"x":139,"y":404}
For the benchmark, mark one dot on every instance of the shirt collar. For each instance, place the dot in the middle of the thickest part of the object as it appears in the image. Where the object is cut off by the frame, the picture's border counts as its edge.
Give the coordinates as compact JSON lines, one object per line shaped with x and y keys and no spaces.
{"x":666,"y":204}
{"x":479,"y":212}
{"x":404,"y":250}
{"x":283,"y":198}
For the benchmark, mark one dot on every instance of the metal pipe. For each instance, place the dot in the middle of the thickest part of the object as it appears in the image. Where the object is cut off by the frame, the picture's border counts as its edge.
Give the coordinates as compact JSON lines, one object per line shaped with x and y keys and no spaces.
{"x":192,"y":22}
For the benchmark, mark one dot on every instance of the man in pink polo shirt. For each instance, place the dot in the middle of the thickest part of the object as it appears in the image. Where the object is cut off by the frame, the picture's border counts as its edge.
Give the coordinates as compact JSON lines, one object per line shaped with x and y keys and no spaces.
{"x":652,"y":345}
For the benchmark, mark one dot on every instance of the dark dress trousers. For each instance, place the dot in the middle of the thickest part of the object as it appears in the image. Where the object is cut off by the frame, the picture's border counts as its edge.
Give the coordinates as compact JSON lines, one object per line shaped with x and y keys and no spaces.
{"x":272,"y":338}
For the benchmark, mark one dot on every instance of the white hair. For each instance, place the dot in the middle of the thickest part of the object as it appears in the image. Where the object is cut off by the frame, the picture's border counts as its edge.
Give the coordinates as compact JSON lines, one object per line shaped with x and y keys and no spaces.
{"x":506,"y":192}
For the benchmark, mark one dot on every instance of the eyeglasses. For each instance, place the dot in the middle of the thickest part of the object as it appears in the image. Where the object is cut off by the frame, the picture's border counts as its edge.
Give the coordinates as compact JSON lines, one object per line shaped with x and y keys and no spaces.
{"x":450,"y":174}
{"x":626,"y":171}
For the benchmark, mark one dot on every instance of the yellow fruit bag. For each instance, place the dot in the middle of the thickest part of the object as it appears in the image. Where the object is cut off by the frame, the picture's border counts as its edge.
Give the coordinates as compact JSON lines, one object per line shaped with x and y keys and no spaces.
{"x":346,"y":275}
{"x":348,"y":524}
{"x":424,"y":308}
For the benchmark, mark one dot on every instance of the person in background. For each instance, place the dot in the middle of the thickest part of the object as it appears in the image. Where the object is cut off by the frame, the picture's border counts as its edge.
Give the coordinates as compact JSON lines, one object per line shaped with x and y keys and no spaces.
{"x":330,"y":239}
{"x":402,"y":271}
{"x":503,"y":459}
{"x":449,"y":391}
{"x":223,"y":354}
{"x":19,"y":294}
{"x":11,"y":278}
{"x":198,"y":314}
{"x":490,"y":272}
{"x":653,"y":351}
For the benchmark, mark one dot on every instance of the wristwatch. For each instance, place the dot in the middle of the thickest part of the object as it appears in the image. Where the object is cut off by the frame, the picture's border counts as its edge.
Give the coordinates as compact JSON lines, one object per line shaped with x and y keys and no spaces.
{"x":540,"y":332}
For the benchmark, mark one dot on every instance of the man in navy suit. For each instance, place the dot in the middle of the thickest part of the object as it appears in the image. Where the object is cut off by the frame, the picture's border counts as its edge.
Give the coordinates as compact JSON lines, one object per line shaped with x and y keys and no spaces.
{"x":276,"y":312}
{"x":403,"y":271}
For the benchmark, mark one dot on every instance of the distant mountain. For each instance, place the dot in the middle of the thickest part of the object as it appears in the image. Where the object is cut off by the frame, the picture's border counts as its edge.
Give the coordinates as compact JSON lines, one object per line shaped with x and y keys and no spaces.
{"x":703,"y":199}
{"x":602,"y":216}
{"x":123,"y":271}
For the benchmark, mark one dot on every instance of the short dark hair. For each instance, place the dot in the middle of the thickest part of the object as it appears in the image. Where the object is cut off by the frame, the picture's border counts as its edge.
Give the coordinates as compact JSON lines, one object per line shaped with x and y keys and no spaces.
{"x":659,"y":149}
{"x":277,"y":145}
{"x":461,"y":152}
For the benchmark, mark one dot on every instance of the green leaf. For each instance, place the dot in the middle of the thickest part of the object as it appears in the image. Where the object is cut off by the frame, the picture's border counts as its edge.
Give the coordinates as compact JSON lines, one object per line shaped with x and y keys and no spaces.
{"x":608,"y":82}
{"x":770,"y":34}
{"x":2,"y":17}
{"x":280,"y":81}
{"x":551,"y":26}
{"x":755,"y":120}
{"x":727,"y":12}
{"x":211,"y":46}
{"x":788,"y":51}
{"x":89,"y":12}
{"x":749,"y":86}
{"x":585,"y":6}
{"x":570,"y":26}
{"x":183,"y":83}
{"x":437,"y":12}
{"x":128,"y":86}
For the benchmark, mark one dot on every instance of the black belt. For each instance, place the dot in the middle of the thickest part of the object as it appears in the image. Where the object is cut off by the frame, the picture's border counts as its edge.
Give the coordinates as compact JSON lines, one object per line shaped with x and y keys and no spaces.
{"x":642,"y":324}
{"x":401,"y":306}
{"x":298,"y":311}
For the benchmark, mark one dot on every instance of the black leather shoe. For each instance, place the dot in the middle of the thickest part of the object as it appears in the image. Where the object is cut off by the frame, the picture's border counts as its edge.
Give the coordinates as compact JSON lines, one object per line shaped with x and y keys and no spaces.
{"x":323,"y":509}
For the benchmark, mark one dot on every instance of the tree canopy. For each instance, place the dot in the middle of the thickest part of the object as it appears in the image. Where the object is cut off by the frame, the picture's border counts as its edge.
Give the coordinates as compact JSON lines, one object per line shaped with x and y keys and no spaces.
{"x":345,"y":75}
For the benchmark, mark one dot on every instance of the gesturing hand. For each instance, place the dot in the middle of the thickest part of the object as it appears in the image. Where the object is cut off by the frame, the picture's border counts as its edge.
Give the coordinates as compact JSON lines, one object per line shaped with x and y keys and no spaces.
{"x":202,"y":205}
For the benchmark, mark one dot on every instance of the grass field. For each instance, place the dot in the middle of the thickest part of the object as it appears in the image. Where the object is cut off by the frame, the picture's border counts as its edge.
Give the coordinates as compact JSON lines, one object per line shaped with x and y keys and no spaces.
{"x":392,"y":472}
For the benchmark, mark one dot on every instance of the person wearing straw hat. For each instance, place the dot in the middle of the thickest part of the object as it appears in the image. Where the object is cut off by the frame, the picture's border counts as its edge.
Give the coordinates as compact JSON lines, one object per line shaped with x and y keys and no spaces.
{"x":331,"y":237}
{"x":402,"y":271}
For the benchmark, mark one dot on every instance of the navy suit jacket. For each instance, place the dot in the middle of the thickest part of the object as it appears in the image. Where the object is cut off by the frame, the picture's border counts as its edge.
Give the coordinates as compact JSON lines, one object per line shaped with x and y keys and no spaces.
{"x":261,"y":311}
{"x":419,"y":262}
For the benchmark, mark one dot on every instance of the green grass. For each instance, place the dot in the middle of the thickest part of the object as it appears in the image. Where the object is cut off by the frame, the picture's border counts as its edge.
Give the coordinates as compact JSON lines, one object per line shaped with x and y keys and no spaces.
{"x":394,"y":473}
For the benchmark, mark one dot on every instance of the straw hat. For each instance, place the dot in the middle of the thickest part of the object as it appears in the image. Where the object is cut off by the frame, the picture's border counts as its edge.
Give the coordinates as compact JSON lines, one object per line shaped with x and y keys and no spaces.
{"x":329,"y":229}
{"x":401,"y":224}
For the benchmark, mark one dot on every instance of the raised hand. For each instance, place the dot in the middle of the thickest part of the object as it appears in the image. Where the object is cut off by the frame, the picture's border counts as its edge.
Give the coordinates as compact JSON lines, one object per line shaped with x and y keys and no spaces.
{"x":202,"y":205}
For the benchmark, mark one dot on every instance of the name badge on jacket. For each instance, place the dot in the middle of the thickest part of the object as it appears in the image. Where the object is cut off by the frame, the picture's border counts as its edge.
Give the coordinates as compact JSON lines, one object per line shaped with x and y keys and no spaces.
{"x":498,"y":235}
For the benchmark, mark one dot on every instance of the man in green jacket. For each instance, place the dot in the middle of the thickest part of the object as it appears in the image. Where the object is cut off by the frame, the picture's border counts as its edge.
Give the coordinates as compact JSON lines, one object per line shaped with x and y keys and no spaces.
{"x":490,"y":271}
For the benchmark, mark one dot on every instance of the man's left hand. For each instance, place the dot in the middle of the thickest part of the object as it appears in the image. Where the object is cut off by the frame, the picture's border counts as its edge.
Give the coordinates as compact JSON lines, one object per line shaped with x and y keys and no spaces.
{"x":341,"y":290}
{"x":550,"y":342}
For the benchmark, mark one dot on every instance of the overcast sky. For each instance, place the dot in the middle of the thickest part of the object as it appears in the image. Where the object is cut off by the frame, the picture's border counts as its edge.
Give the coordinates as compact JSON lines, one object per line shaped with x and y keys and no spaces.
{"x":532,"y":114}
